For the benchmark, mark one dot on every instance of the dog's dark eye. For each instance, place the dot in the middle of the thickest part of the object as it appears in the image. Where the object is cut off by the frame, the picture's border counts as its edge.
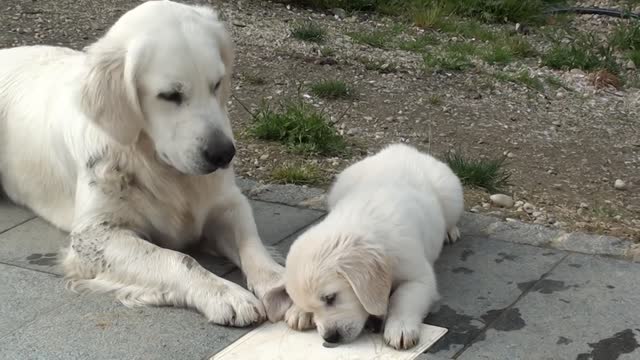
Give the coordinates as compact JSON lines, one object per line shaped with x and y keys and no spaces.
{"x":214,"y":87}
{"x":172,"y":96}
{"x":329,"y":299}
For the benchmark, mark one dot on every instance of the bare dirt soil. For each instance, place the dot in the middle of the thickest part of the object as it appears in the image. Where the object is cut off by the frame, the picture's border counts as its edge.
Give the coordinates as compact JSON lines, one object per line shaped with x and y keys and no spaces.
{"x":565,"y":148}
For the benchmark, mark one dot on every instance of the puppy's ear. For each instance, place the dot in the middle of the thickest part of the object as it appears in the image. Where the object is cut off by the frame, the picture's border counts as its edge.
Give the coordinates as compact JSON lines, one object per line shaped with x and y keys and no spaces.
{"x":109,"y":93}
{"x":277,"y":302}
{"x":367,"y":270}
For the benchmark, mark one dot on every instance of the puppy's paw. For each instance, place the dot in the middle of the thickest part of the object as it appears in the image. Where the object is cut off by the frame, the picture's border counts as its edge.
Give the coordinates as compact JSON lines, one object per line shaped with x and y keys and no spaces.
{"x":453,"y":235}
{"x":231,"y":305}
{"x":299,"y":320}
{"x":269,"y":288}
{"x":400,"y":334}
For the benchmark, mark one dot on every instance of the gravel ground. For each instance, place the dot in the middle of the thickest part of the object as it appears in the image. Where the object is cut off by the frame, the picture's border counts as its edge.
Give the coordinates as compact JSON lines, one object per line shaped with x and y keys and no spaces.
{"x":565,"y":148}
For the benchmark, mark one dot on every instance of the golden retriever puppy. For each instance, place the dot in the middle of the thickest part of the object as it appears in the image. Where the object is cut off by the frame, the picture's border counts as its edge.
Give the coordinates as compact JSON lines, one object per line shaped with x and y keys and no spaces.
{"x":373,"y":254}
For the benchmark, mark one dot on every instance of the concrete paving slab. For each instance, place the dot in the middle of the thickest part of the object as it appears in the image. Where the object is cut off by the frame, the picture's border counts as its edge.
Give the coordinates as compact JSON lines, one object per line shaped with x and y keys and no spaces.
{"x":11,"y":215}
{"x":96,"y":327}
{"x":276,"y":221}
{"x":25,"y":295}
{"x":586,"y":308}
{"x":478,"y":278}
{"x":34,"y":244}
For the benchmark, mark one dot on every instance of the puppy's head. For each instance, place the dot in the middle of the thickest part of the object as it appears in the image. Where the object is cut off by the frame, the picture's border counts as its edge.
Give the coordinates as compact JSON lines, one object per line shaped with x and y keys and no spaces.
{"x":339,"y":278}
{"x":164,"y":69}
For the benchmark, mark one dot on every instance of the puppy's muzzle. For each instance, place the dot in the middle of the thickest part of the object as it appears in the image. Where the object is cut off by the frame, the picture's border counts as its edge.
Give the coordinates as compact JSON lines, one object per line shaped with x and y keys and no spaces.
{"x":332,"y":337}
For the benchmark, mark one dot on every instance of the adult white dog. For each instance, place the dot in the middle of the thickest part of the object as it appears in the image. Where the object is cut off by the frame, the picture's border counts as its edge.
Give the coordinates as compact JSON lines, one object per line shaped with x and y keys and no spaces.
{"x":373,"y":254}
{"x":127,"y":145}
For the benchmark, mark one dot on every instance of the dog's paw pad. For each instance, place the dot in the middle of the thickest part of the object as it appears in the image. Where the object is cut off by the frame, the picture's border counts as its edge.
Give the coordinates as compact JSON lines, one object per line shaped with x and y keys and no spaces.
{"x":48,"y":259}
{"x":401,"y":336}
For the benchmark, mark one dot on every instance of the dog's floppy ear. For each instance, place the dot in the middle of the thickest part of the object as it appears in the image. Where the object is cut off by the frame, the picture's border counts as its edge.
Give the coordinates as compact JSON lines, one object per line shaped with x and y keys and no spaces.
{"x":276,"y":303}
{"x":225,"y":45}
{"x":109,"y":94}
{"x":367,"y":270}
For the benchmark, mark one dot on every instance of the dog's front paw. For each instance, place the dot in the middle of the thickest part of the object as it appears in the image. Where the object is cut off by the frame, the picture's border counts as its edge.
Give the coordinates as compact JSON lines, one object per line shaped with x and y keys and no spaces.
{"x":401,"y":334}
{"x":297,"y":319}
{"x":268,"y":286}
{"x":453,"y":235}
{"x":231,"y":305}
{"x":266,"y":280}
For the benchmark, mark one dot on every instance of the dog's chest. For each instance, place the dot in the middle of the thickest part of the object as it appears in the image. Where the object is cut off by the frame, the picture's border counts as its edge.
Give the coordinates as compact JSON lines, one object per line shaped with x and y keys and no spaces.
{"x":174,"y":210}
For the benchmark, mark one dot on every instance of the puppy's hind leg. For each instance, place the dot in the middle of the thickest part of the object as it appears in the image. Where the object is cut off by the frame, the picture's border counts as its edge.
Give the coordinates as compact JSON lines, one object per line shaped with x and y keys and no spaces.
{"x":408,"y":305}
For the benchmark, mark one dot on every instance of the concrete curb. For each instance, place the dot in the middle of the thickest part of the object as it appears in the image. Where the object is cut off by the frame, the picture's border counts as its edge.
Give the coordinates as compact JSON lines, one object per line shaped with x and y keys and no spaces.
{"x":477,"y":224}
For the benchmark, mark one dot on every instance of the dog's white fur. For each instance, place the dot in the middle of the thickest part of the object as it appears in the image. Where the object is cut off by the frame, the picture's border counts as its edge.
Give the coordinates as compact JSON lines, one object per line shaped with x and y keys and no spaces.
{"x":126,"y":145}
{"x":389,"y":217}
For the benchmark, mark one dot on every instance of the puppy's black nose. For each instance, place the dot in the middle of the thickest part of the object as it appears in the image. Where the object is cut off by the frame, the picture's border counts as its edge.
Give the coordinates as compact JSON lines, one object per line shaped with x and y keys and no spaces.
{"x":219,"y":151}
{"x":333,"y":337}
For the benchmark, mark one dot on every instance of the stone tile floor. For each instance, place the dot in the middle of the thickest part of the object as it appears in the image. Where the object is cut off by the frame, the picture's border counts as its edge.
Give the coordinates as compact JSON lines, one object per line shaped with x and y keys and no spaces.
{"x":501,"y":300}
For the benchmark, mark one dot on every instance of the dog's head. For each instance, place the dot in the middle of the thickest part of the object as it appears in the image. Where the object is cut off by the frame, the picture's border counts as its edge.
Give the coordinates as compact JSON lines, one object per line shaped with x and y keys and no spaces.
{"x":339,"y":278}
{"x":164,"y":69}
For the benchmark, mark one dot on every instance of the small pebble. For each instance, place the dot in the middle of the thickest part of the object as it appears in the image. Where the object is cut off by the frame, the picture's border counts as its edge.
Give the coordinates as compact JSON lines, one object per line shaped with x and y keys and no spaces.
{"x":620,"y":184}
{"x":502,"y":200}
{"x":519,"y":203}
{"x":630,"y":65}
{"x":528,"y":208}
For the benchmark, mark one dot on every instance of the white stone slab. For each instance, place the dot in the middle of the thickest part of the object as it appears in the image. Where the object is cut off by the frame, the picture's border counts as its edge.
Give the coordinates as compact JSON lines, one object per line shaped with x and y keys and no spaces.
{"x":277,"y":341}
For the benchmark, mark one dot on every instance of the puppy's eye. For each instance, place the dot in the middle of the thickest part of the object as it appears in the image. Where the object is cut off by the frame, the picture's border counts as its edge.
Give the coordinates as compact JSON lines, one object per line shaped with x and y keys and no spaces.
{"x":214,"y":87}
{"x":329,"y":299}
{"x":175,"y":97}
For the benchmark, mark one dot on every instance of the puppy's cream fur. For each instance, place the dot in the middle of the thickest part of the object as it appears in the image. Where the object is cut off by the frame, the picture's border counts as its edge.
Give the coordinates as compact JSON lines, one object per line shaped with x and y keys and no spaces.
{"x":374,"y":252}
{"x":127,"y":146}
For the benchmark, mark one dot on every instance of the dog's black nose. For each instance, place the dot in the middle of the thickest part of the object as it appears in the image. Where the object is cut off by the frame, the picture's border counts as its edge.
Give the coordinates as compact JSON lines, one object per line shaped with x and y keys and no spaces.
{"x":219,"y":151}
{"x":333,"y":337}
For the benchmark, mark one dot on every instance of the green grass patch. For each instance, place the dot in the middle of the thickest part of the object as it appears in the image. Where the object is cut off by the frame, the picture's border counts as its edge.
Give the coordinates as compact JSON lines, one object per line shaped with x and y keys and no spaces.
{"x":508,"y":48}
{"x":634,"y":55}
{"x":423,"y":11}
{"x":379,"y":66}
{"x":309,"y":31}
{"x":454,"y":57}
{"x":419,"y":43}
{"x":332,"y":89}
{"x":300,"y":127}
{"x":298,"y":174}
{"x":557,"y":83}
{"x":377,"y":39}
{"x":327,"y":51}
{"x":489,"y":174}
{"x":627,"y":36}
{"x":585,"y":53}
{"x":435,"y":100}
{"x":382,"y":39}
{"x":522,"y":78}
{"x":467,"y":28}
